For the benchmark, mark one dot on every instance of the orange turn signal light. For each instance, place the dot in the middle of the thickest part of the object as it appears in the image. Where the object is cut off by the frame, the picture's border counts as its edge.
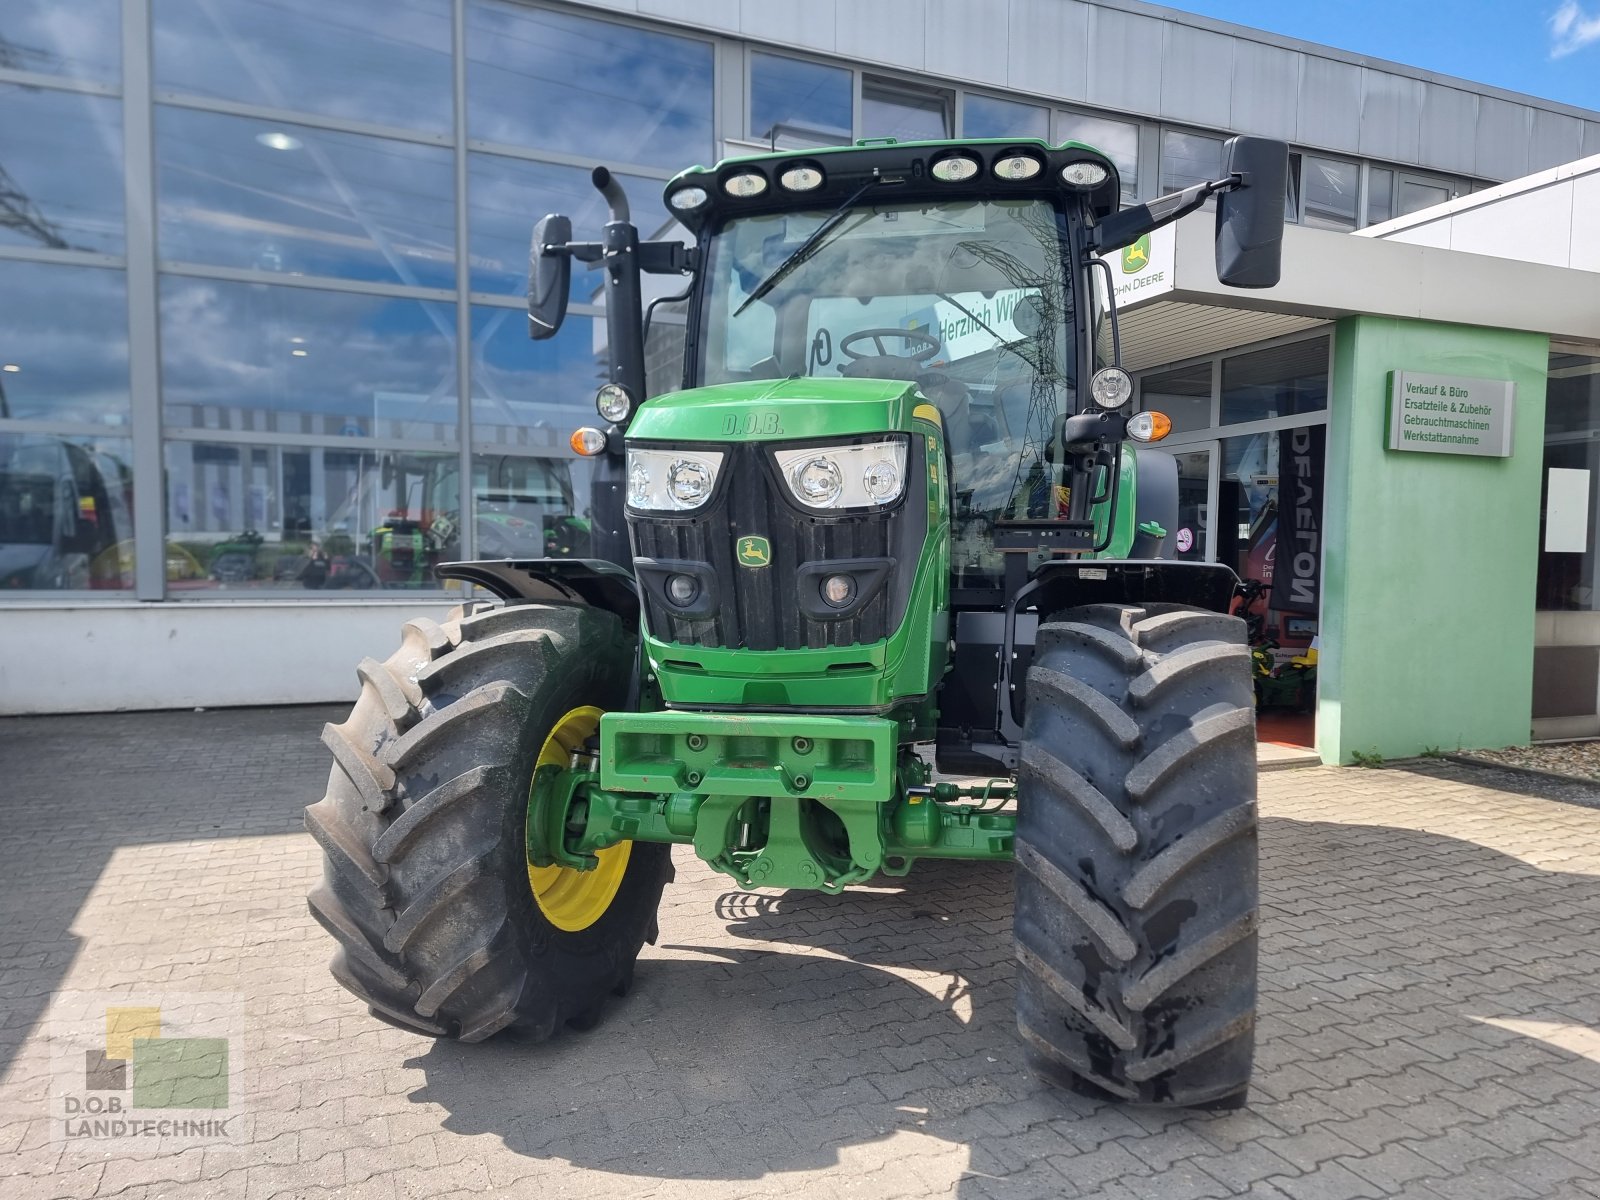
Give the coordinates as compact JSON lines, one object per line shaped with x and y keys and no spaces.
{"x":1149,"y":426}
{"x":587,"y":441}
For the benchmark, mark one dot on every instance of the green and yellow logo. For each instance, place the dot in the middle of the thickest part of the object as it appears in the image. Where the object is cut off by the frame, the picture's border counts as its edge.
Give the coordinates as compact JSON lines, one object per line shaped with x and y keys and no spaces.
{"x":166,"y":1072}
{"x":754,"y":552}
{"x":1136,"y":257}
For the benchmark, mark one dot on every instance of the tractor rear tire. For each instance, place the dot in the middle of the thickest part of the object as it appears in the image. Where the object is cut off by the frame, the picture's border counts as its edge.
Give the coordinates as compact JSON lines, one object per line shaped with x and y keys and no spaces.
{"x":1136,"y":883}
{"x":426,"y":886}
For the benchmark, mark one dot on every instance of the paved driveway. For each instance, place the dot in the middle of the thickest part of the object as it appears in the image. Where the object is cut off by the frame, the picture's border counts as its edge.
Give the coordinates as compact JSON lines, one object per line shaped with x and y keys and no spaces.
{"x":1430,"y":1016}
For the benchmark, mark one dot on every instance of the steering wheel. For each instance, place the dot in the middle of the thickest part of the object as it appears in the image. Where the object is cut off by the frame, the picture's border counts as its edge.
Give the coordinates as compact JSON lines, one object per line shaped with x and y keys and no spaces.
{"x":929,"y":344}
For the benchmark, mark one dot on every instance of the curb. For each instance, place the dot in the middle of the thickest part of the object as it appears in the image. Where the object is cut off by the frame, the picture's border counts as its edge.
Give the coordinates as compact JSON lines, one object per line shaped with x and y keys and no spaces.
{"x":1469,"y":760}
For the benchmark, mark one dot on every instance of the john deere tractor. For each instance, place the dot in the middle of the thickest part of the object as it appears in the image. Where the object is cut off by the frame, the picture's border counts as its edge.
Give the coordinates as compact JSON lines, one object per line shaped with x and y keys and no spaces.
{"x":883,"y":582}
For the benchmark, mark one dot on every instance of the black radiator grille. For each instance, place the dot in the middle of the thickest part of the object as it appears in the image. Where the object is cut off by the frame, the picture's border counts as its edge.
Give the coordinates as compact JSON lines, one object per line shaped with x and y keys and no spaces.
{"x":759,"y":608}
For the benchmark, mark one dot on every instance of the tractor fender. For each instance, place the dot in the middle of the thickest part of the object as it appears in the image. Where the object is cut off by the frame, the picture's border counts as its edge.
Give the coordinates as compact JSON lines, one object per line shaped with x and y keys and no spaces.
{"x":590,"y":582}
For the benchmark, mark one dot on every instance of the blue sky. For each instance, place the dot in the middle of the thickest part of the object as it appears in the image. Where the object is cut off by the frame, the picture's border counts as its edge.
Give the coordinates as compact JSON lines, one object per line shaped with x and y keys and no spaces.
{"x":1546,"y":48}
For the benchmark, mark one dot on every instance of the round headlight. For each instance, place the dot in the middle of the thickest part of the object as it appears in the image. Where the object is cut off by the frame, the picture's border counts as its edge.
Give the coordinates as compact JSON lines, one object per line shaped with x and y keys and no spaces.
{"x":1017,"y":166}
{"x":818,"y":482}
{"x":954,"y":169}
{"x":689,"y":481}
{"x":1111,"y":387}
{"x":613,"y":403}
{"x":801,"y":179}
{"x":682,"y":589}
{"x":881,"y":480}
{"x":838,"y":590}
{"x":1085,"y":174}
{"x":638,"y":483}
{"x":745,"y":184}
{"x":687,"y":199}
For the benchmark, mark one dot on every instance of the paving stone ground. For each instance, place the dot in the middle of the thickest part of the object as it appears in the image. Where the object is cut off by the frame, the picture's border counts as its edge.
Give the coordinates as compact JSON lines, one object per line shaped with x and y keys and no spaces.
{"x":1430,"y":1011}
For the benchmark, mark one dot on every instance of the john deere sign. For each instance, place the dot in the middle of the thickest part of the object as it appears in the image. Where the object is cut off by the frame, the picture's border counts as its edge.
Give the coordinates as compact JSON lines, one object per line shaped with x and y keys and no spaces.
{"x":1447,"y":414}
{"x":1143,"y":270}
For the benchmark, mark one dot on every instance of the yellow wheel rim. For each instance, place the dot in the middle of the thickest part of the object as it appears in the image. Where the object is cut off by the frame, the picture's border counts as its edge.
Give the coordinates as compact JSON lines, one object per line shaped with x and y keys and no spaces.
{"x":571,"y":899}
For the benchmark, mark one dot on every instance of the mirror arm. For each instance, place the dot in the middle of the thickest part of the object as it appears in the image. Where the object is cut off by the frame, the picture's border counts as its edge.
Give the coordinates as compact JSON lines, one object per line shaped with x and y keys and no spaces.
{"x":668,"y":258}
{"x":1126,"y":227}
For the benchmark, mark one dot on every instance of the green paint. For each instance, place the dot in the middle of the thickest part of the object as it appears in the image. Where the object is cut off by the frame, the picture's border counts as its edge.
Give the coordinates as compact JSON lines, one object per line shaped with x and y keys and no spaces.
{"x":1429,"y":559}
{"x":777,"y":411}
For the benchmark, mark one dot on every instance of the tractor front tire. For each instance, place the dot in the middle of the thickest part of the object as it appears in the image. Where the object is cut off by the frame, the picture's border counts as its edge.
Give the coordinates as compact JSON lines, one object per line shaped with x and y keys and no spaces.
{"x":1136,"y":884}
{"x":426,"y":886}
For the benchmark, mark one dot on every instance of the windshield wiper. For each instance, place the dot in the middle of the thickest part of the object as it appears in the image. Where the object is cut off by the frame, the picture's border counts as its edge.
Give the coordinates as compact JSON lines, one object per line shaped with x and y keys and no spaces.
{"x":806,"y":248}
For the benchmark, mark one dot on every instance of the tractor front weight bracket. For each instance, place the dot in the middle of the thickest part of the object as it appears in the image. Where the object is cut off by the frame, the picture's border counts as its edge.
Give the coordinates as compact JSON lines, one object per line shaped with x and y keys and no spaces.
{"x":768,"y":800}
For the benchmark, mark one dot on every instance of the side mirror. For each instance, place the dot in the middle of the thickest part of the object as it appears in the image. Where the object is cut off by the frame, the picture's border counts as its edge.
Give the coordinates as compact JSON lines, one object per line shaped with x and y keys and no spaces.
{"x":1250,"y":218}
{"x":549,"y":277}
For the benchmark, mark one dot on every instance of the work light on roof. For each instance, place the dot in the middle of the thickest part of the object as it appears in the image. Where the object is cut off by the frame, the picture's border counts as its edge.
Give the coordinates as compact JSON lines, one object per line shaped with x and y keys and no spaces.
{"x":801,"y":179}
{"x":957,"y":168}
{"x":745,"y":185}
{"x":687,"y":199}
{"x":1017,"y":167}
{"x":1084,"y":174}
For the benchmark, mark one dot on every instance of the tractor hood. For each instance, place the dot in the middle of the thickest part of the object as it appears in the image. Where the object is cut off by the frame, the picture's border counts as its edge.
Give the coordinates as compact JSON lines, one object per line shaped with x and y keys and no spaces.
{"x":781,"y":410}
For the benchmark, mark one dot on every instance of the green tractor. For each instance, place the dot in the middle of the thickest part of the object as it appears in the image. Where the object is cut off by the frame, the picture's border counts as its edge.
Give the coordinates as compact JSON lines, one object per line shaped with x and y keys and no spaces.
{"x":882,"y":582}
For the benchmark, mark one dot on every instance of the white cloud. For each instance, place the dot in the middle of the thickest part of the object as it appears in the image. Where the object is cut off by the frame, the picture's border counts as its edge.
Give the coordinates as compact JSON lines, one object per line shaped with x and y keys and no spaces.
{"x":1571,"y":29}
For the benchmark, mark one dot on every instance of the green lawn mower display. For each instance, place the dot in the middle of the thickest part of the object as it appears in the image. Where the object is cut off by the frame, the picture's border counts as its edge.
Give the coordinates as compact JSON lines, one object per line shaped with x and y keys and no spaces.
{"x":882,"y":582}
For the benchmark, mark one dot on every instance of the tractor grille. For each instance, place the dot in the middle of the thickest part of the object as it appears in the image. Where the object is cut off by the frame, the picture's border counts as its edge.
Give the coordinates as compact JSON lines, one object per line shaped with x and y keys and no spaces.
{"x":761,"y":608}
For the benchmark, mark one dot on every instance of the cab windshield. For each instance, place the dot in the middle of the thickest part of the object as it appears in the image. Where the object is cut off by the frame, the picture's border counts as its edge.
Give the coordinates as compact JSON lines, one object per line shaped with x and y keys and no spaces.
{"x":968,"y":299}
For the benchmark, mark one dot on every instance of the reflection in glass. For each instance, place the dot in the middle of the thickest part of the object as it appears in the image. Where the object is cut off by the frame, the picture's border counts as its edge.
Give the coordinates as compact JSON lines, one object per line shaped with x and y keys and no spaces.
{"x":241,"y":192}
{"x":912,"y":114}
{"x":1275,"y":382}
{"x":1569,"y":578}
{"x":327,"y":518}
{"x":1183,"y":394}
{"x":613,"y":93}
{"x":63,"y":344}
{"x":301,"y":360}
{"x":526,"y":507}
{"x":1188,"y":159}
{"x":1380,"y":194}
{"x":1329,"y":187}
{"x":66,"y":513}
{"x":384,"y":61}
{"x":795,"y":104}
{"x":1417,"y":196}
{"x":1188,"y":540}
{"x":507,"y":196}
{"x":81,"y":39}
{"x":532,"y":395}
{"x":1117,"y":140}
{"x":986,"y":117}
{"x":61,"y":153}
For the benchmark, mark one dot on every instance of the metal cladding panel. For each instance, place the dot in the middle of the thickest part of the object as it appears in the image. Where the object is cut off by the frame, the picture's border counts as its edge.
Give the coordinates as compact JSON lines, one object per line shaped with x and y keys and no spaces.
{"x":967,"y":39}
{"x":1195,"y":63}
{"x":1330,"y":104}
{"x":886,"y":31}
{"x":1449,"y":129}
{"x":1503,"y":133}
{"x":1049,"y":48}
{"x":1557,"y":140}
{"x":808,"y":26}
{"x":1266,"y":90}
{"x":1391,"y":107}
{"x":1125,"y":61}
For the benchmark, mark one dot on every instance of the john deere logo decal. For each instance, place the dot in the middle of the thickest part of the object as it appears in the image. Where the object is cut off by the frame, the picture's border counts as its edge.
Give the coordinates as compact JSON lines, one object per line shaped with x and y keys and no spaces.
{"x":1136,"y":257}
{"x":754,"y":552}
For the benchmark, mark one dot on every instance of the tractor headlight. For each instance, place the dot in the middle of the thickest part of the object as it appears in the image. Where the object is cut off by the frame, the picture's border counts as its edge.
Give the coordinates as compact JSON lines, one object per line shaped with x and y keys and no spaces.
{"x":671,"y":480}
{"x":1111,"y":387}
{"x":866,"y":475}
{"x":613,"y":403}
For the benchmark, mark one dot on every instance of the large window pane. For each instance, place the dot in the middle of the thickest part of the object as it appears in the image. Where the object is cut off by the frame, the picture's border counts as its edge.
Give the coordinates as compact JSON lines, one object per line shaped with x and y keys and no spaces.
{"x":529,"y":395}
{"x":614,"y":93}
{"x":530,"y":507}
{"x":1380,"y":194}
{"x":1117,"y":140}
{"x":80,"y":38}
{"x":904,"y":111}
{"x":1416,"y":196}
{"x":63,"y":344}
{"x":1183,"y":394}
{"x":795,"y":104}
{"x":66,"y":508}
{"x":299,"y":360}
{"x":1275,"y":382}
{"x":62,"y":155}
{"x":326,"y":518}
{"x":1188,"y":159}
{"x":1330,"y":190}
{"x":986,"y":117}
{"x":1569,"y":567}
{"x":386,"y":61}
{"x":506,"y":196}
{"x":240,"y":192}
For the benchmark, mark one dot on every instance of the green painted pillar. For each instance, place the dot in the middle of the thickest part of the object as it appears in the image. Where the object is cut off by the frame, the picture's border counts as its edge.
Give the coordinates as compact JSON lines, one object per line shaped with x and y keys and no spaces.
{"x":1429,"y":559}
